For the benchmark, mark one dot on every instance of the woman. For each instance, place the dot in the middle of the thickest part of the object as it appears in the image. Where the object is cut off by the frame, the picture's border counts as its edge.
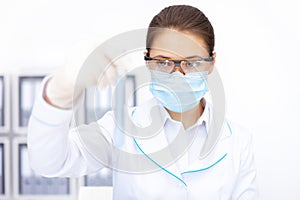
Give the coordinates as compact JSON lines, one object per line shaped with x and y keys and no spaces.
{"x":165,"y":164}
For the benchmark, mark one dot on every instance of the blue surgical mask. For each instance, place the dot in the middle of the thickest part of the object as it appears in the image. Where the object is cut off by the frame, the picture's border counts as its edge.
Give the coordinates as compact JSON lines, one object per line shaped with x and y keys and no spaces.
{"x":178,"y":92}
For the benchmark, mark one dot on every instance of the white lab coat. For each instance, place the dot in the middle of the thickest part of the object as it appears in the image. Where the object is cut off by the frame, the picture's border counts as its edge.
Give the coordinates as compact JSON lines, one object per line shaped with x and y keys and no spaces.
{"x":228,"y":172}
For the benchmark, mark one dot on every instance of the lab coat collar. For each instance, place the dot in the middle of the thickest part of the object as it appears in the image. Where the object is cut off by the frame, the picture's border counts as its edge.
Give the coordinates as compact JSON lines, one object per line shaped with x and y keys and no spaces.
{"x":204,"y":118}
{"x":143,"y":118}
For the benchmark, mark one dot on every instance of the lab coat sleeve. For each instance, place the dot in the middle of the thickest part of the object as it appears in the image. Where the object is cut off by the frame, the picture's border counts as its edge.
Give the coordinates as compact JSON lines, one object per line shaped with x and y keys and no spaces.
{"x":246,"y":187}
{"x":55,"y":150}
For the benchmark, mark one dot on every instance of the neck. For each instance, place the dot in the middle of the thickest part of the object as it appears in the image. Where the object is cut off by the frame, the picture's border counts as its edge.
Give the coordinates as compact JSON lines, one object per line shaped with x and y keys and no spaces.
{"x":189,"y":117}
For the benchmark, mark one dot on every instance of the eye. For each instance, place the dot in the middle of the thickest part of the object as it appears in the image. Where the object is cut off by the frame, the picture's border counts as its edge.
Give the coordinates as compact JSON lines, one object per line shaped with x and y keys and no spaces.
{"x":163,"y":63}
{"x":194,"y":64}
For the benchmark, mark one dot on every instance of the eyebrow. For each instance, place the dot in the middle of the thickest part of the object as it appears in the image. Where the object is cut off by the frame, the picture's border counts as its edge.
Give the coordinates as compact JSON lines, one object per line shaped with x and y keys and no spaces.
{"x":195,"y":56}
{"x":161,"y":56}
{"x":166,"y":57}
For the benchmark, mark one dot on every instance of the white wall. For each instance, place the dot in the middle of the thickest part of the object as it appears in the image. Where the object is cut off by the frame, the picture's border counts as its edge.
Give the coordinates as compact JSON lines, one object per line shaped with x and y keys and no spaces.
{"x":256,"y":45}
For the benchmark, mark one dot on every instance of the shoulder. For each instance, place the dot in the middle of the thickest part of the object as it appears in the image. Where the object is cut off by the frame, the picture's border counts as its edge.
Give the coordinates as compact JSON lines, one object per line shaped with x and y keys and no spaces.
{"x":238,"y":129}
{"x":239,"y":134}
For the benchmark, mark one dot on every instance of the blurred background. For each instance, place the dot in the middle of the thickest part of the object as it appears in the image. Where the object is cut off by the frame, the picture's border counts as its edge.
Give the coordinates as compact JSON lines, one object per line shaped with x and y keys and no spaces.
{"x":257,"y":57}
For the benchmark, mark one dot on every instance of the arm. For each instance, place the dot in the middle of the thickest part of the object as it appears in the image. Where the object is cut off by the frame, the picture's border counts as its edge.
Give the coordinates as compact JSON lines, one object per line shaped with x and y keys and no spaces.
{"x":54,"y":150}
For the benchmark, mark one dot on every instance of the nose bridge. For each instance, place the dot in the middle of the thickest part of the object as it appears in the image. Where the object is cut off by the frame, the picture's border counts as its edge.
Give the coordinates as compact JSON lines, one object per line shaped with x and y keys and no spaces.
{"x":177,"y":66}
{"x":177,"y":63}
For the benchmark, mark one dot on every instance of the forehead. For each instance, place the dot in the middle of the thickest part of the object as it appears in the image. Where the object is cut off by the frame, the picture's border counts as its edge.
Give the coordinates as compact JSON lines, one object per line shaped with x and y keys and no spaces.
{"x":172,"y":43}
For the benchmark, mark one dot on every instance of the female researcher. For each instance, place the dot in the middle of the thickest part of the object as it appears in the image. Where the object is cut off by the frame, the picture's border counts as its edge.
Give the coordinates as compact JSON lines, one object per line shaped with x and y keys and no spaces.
{"x":163,"y":163}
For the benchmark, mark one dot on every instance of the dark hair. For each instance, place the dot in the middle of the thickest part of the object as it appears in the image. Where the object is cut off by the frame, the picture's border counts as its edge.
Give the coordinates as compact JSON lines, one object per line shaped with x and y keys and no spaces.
{"x":182,"y":18}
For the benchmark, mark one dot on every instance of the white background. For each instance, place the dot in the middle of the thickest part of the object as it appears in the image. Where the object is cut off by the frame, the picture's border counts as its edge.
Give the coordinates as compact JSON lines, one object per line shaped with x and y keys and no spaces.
{"x":257,"y":55}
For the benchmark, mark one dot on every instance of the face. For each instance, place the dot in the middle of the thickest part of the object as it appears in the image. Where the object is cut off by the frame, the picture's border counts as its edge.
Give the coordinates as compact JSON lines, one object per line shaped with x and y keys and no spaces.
{"x":174,"y":45}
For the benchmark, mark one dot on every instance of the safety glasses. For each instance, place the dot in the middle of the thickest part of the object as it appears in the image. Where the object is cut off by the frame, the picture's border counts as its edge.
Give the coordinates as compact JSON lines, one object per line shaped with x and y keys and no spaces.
{"x":165,"y":65}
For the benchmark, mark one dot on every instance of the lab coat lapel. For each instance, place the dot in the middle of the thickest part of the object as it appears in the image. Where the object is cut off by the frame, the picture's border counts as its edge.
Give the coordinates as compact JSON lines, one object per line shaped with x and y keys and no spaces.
{"x":217,"y":156}
{"x":157,"y":151}
{"x":155,"y":148}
